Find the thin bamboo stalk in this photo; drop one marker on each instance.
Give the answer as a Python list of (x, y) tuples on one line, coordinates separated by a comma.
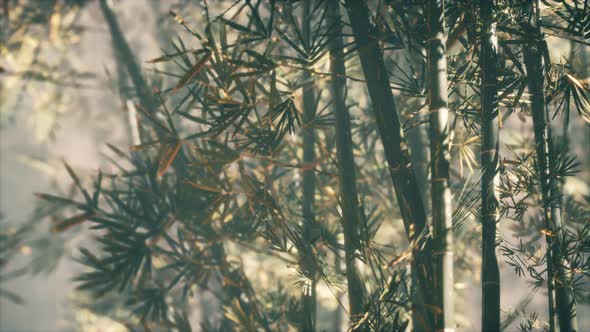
[(351, 207), (309, 181), (490, 274), (442, 220), (565, 307)]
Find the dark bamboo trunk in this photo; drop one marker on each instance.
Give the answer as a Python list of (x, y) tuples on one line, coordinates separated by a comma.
[(490, 274), (308, 201), (351, 209), (566, 310), (551, 197), (440, 165), (126, 56), (396, 153), (417, 136)]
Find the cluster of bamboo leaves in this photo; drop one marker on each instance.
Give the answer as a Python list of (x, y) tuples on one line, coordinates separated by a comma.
[(340, 140)]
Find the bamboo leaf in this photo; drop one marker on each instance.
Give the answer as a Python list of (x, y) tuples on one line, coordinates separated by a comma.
[(205, 187), (197, 67), (72, 221), (168, 57), (168, 153)]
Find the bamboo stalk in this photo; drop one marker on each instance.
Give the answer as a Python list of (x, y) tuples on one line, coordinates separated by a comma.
[(126, 56), (440, 165), (308, 201), (418, 135), (490, 274), (551, 197), (396, 153), (351, 208)]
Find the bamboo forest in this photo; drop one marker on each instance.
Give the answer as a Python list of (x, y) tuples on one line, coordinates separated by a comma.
[(294, 165)]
